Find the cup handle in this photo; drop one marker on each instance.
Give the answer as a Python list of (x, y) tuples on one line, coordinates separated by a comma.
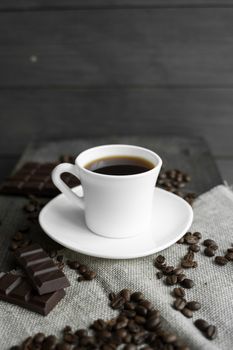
[(60, 184)]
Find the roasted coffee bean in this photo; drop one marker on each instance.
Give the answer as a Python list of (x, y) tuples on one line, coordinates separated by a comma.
[(60, 258), (179, 292), (178, 271), (49, 342), (169, 338), (137, 296), (187, 264), (209, 252), (89, 275), (121, 322), (198, 235), (168, 270), (208, 242), (229, 256), (140, 320), (194, 248), (133, 327), (139, 338), (27, 343), (179, 303), (81, 333), (190, 239), (141, 310), (187, 283), (213, 246), (160, 259), (112, 296), (230, 250), (122, 333), (67, 329), (117, 303), (125, 293), (38, 338), (82, 269), (153, 313), (187, 312), (152, 323), (159, 275), (52, 253), (80, 279), (221, 260), (211, 332), (181, 277), (130, 347), (70, 338), (147, 304), (99, 325), (129, 306), (129, 313), (73, 264), (171, 280), (201, 324), (63, 346), (193, 305), (181, 240)]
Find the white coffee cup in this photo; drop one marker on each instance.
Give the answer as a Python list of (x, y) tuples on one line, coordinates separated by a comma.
[(114, 206)]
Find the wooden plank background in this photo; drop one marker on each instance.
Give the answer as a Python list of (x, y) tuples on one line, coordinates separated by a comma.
[(95, 68)]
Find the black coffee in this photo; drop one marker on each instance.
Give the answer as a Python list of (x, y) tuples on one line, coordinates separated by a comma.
[(120, 165)]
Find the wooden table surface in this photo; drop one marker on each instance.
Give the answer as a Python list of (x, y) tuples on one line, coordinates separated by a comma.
[(187, 154)]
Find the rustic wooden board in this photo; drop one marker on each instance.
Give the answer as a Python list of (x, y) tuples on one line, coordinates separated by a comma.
[(189, 154), (73, 4), (119, 47), (39, 114)]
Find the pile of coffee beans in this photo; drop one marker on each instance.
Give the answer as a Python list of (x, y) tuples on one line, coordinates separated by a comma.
[(175, 181), (137, 326), (209, 331), (83, 270)]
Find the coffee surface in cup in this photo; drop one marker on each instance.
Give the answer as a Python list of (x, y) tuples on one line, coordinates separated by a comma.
[(120, 165)]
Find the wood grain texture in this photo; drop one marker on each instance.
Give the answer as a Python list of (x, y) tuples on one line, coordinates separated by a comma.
[(189, 154), (120, 47), (73, 4), (55, 114)]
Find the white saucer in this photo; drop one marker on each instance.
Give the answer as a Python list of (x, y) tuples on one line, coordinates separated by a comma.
[(65, 224)]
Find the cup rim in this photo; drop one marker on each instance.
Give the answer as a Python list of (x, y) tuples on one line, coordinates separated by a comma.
[(159, 160)]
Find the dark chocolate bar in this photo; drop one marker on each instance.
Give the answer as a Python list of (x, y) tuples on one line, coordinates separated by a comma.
[(17, 290), (35, 178), (43, 273)]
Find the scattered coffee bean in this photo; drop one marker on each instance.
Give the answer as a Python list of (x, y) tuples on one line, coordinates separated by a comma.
[(178, 271), (211, 332), (168, 270), (181, 277), (201, 324), (137, 296), (187, 283), (209, 252), (179, 303), (117, 303), (198, 235), (159, 274), (194, 247), (125, 293), (229, 256), (171, 280), (187, 312), (160, 259), (221, 260), (208, 242), (181, 240), (193, 305), (73, 264), (179, 292), (38, 338)]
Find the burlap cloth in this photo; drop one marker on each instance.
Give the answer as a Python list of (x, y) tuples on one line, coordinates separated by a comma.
[(86, 301)]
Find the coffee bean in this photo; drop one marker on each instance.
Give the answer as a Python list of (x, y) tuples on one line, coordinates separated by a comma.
[(201, 324), (193, 305), (159, 275), (213, 246), (139, 338), (147, 304), (60, 258), (81, 333), (187, 312), (112, 296), (67, 329), (70, 338), (187, 264), (129, 306), (198, 235), (194, 247), (230, 250), (49, 342), (73, 264), (153, 313), (179, 303), (140, 320), (80, 279), (82, 269), (122, 333), (152, 323), (160, 259), (211, 332), (181, 240), (168, 270), (171, 280), (208, 242), (141, 310), (169, 338), (52, 253), (38, 338), (117, 303), (221, 260), (89, 275), (187, 283), (99, 325), (130, 347), (133, 327), (209, 252), (137, 296), (181, 277), (129, 313), (125, 293), (229, 256), (121, 322), (178, 271), (179, 292), (190, 239)]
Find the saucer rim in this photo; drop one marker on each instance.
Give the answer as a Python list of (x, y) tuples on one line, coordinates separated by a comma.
[(119, 257)]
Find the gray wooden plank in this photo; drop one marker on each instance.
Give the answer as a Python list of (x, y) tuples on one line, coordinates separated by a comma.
[(226, 169), (7, 164), (123, 47), (64, 4), (46, 114), (189, 154)]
